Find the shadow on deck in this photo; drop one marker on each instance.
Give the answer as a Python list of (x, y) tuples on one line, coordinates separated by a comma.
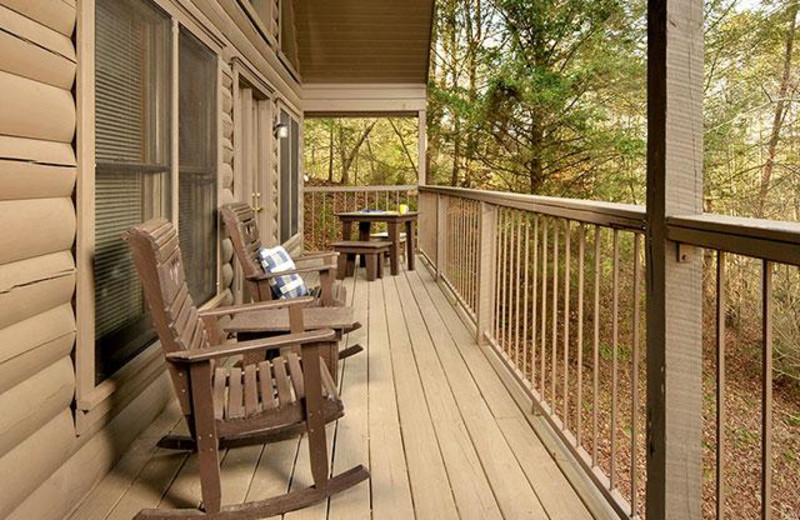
[(424, 410)]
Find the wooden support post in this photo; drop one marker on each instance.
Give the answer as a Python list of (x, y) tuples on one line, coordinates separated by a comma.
[(674, 286), (422, 164), (441, 234), (487, 243)]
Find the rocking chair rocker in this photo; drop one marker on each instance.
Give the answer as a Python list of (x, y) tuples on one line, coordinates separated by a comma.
[(238, 406)]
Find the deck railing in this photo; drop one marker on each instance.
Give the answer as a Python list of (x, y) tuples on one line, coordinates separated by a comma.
[(556, 288), (321, 227)]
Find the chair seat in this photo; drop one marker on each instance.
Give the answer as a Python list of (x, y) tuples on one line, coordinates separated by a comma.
[(361, 246), (242, 392)]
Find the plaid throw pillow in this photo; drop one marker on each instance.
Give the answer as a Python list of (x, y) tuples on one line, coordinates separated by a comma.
[(277, 260)]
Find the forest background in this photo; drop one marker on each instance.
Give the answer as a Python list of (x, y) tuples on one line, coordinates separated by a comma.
[(548, 97)]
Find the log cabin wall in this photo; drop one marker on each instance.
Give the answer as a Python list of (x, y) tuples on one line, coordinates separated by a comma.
[(53, 461), (37, 218)]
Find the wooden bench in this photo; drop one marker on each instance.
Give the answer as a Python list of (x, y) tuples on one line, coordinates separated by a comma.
[(384, 235), (373, 250)]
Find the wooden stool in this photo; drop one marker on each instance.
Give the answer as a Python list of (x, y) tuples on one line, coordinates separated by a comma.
[(384, 235), (373, 251)]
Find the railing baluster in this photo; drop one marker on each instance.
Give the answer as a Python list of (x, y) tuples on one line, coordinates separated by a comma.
[(543, 353), (518, 288), (614, 361), (535, 294), (596, 343), (579, 396), (567, 267), (510, 293), (766, 394), (313, 217), (525, 350), (554, 345), (458, 245), (503, 285), (476, 224), (637, 244), (498, 267), (720, 426)]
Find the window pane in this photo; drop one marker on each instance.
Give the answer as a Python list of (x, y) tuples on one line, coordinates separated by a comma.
[(197, 218), (132, 174)]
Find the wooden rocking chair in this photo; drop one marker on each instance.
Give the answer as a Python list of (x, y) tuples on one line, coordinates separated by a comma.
[(241, 227), (227, 407)]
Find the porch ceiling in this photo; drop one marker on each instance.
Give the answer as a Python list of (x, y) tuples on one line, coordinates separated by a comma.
[(364, 41)]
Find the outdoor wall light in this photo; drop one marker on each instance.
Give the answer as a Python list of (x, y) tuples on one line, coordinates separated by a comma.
[(281, 130)]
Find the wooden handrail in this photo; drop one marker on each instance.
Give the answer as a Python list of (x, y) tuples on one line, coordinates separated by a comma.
[(358, 189), (622, 216), (774, 240)]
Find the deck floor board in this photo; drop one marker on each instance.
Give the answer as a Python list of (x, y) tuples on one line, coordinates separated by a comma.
[(424, 411)]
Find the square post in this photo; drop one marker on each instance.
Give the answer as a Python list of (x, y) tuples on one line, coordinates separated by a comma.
[(487, 247), (422, 164), (674, 286), (441, 234)]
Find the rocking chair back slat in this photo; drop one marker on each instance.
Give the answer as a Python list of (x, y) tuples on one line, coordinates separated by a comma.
[(296, 373), (242, 229), (235, 409), (250, 391), (266, 386), (157, 257), (282, 382), (220, 384)]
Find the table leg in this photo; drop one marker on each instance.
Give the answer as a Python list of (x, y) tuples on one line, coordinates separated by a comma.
[(363, 235), (410, 245), (394, 249), (347, 230)]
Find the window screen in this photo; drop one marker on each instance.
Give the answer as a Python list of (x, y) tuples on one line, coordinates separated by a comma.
[(133, 41), (197, 201), (290, 177)]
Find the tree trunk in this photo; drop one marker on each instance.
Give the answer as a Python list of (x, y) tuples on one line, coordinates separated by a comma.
[(535, 166), (405, 147), (347, 160), (452, 22), (474, 37), (777, 122)]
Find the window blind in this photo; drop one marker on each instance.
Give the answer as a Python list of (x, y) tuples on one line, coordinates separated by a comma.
[(133, 40)]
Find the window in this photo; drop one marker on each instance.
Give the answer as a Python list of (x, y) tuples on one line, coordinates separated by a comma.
[(288, 28), (269, 14), (197, 198), (289, 177), (132, 176), (135, 167)]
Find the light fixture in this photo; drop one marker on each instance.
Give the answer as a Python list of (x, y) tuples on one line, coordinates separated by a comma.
[(281, 130)]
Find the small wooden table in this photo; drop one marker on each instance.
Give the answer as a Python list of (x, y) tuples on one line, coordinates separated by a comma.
[(393, 222)]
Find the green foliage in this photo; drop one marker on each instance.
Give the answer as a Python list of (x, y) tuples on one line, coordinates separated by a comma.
[(361, 151)]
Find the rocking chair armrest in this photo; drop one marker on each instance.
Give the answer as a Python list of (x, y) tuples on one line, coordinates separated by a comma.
[(243, 347), (256, 307)]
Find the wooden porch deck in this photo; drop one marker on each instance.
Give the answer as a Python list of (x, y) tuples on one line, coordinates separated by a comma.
[(424, 410)]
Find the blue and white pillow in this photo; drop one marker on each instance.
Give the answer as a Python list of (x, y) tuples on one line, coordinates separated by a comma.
[(277, 260)]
